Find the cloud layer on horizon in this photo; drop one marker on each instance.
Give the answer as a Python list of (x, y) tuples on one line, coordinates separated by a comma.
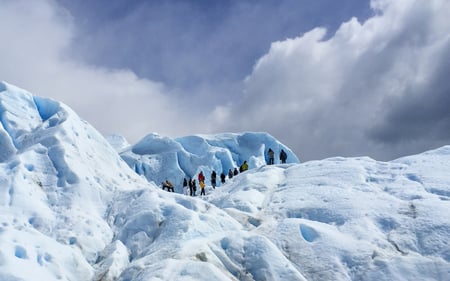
[(377, 88)]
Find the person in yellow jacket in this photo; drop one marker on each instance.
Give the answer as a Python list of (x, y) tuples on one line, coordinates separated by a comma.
[(244, 167), (202, 187)]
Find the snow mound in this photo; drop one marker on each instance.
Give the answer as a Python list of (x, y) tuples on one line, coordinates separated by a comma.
[(173, 237), (159, 158), (57, 177), (351, 218)]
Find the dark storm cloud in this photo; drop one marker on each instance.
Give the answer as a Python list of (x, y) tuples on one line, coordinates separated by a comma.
[(417, 117), (422, 112), (190, 43), (374, 88)]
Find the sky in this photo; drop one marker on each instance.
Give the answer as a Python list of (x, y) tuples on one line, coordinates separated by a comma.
[(326, 78)]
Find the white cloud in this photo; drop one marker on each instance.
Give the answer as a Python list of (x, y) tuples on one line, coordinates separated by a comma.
[(34, 37), (334, 96)]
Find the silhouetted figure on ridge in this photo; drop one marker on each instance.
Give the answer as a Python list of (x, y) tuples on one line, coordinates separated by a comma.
[(271, 155), (283, 156)]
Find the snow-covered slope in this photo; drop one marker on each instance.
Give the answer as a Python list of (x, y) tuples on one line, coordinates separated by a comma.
[(72, 209), (159, 158), (57, 177), (352, 219), (336, 219)]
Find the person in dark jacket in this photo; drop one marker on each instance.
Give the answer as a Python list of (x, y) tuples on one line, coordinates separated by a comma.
[(191, 187), (230, 174), (222, 178), (283, 156), (235, 172), (213, 179), (185, 186), (271, 155), (194, 187)]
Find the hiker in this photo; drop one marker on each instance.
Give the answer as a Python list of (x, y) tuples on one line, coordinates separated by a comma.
[(271, 155), (213, 179), (244, 167), (230, 174), (191, 187), (185, 187), (222, 178), (235, 172), (194, 187), (167, 184), (283, 156), (201, 177), (202, 188)]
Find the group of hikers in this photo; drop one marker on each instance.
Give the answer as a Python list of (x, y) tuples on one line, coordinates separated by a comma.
[(271, 156), (190, 186)]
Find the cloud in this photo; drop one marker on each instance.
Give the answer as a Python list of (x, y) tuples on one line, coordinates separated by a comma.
[(204, 48), (35, 37), (95, 60), (375, 88)]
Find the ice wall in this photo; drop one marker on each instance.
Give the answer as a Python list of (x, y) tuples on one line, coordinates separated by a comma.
[(159, 158)]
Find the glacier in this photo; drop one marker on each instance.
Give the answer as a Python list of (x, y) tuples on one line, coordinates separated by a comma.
[(75, 205), (160, 158)]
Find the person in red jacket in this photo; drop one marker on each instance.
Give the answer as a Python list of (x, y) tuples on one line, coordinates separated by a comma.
[(201, 177)]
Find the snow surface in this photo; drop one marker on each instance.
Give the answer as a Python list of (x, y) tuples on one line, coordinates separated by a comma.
[(72, 209)]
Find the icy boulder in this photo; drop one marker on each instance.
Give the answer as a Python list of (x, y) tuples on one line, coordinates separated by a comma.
[(159, 158)]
